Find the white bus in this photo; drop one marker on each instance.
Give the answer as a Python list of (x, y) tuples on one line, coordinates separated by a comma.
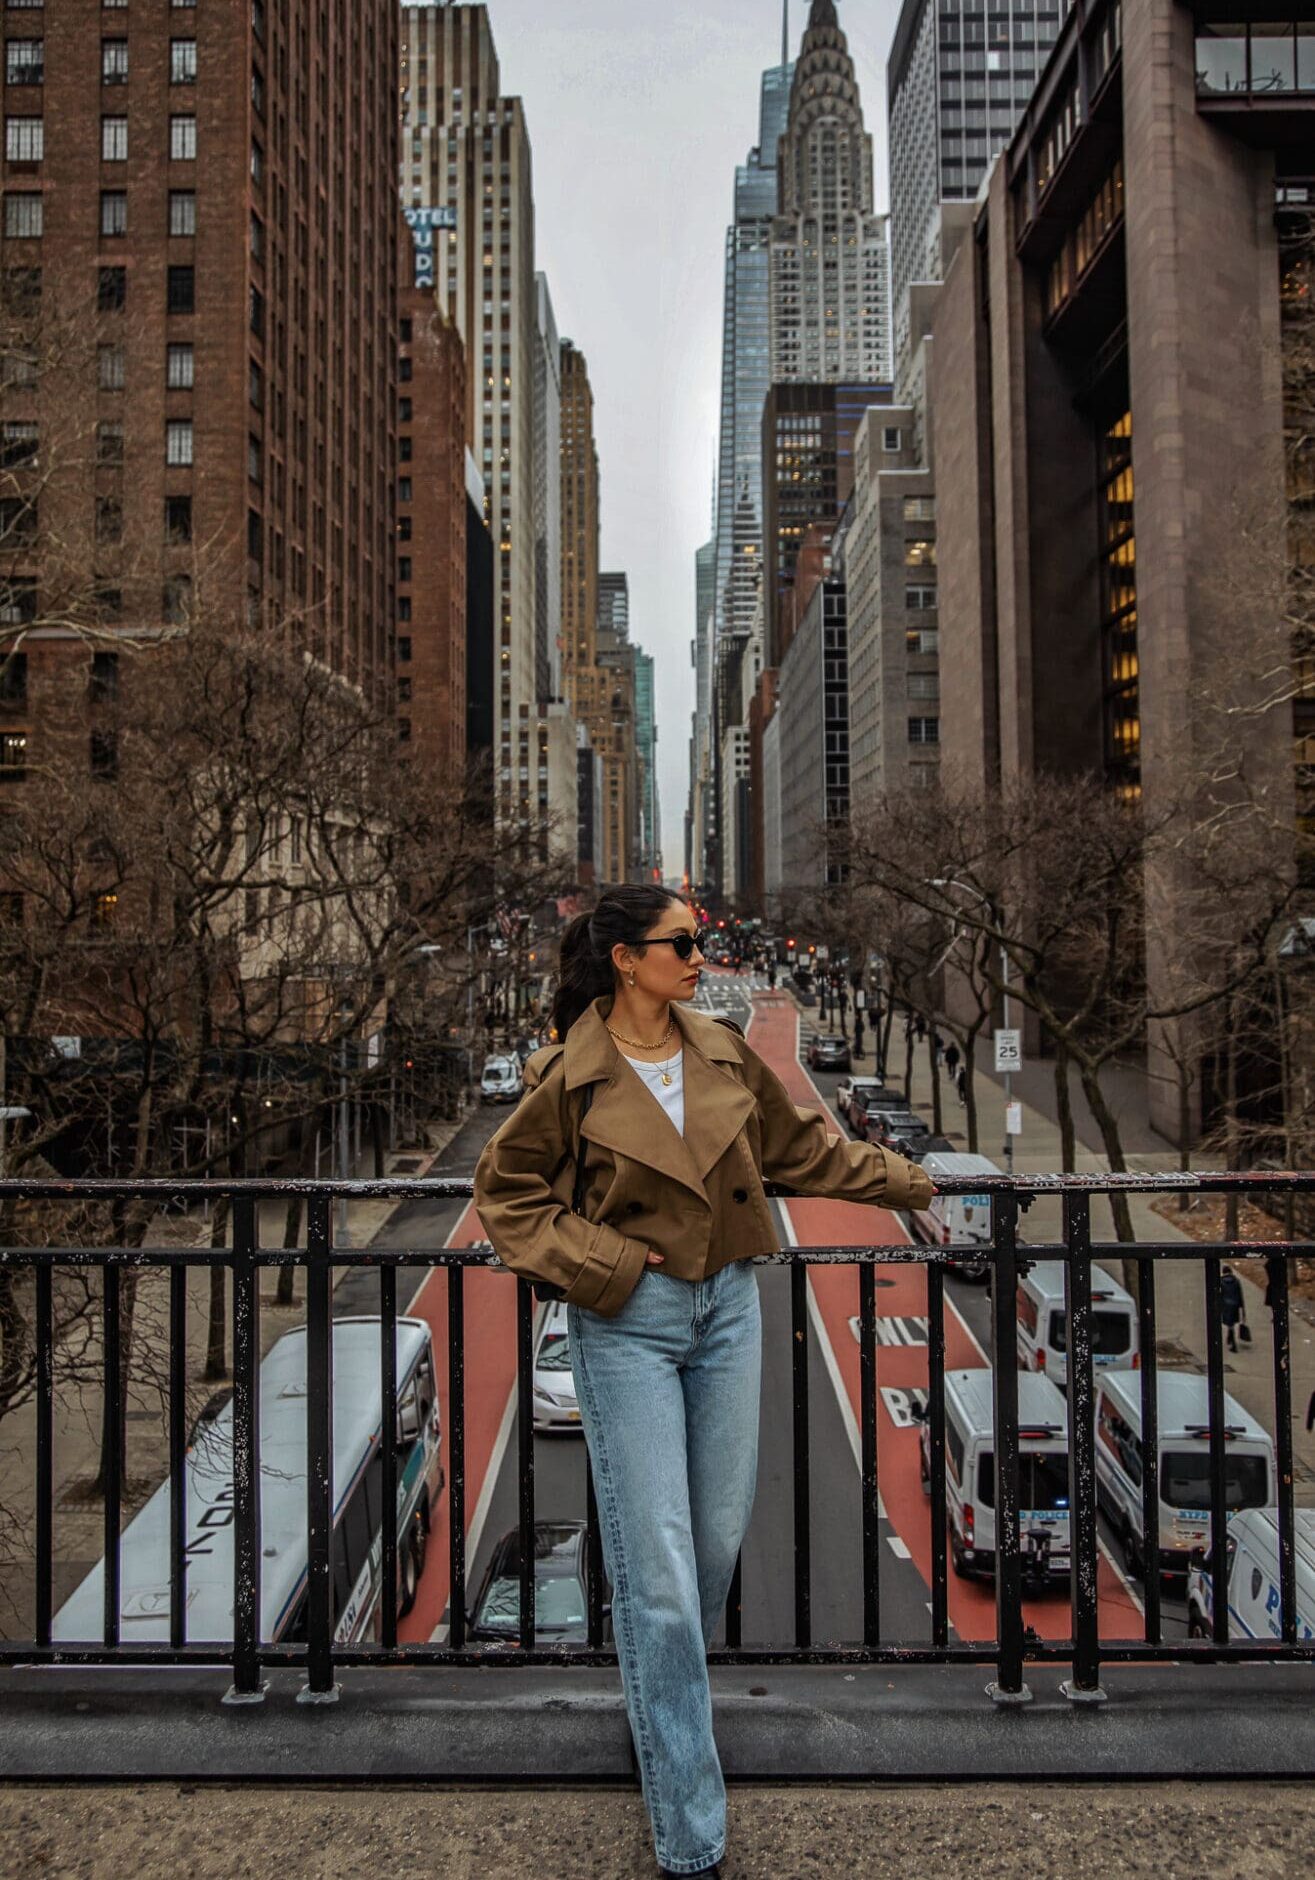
[(357, 1554)]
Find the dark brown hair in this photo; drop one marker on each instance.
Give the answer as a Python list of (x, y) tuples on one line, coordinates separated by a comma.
[(622, 917)]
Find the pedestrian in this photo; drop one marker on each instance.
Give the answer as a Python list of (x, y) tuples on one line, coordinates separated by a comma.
[(938, 1046), (662, 1314), (952, 1058), (961, 1083), (771, 976), (920, 1028), (1232, 1308)]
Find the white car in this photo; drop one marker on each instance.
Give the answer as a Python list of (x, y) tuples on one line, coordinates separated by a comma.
[(502, 1081), (556, 1406)]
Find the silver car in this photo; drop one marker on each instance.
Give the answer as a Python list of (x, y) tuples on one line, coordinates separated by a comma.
[(555, 1404)]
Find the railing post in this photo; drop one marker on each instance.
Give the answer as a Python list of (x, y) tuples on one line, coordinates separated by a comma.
[(319, 1687), (1287, 1558), (456, 1474), (112, 1446), (940, 1623), (1214, 1356), (525, 1455), (247, 1687), (45, 1435), (803, 1603), (177, 1457), (388, 1449), (867, 1363), (1148, 1344), (1084, 1686), (1008, 1687)]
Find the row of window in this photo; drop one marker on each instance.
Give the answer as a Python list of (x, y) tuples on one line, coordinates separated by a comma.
[(25, 139), (24, 218)]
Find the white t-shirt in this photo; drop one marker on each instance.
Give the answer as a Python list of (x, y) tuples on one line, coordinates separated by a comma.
[(671, 1096)]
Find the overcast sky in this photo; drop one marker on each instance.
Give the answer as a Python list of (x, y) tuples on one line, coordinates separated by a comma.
[(638, 112)]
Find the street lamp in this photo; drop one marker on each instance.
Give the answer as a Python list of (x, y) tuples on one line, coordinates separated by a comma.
[(1005, 1010)]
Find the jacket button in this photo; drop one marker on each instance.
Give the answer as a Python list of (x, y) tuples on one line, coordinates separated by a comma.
[(741, 1194), (634, 1207)]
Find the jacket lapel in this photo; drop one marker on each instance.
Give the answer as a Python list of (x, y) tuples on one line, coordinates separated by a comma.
[(624, 1116)]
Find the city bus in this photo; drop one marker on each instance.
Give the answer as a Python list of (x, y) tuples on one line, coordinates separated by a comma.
[(357, 1555)]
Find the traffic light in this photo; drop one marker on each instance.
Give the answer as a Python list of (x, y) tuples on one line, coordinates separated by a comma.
[(811, 947), (721, 923), (789, 946)]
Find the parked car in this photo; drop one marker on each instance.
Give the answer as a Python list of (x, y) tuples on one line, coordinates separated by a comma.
[(829, 1051), (561, 1589), (862, 1099), (501, 1081), (928, 1145), (897, 1130), (556, 1406), (848, 1085)]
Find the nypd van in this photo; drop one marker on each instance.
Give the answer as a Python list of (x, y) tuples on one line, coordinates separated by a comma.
[(1043, 1322), (1043, 1485), (958, 1221), (1184, 1464), (1254, 1599)]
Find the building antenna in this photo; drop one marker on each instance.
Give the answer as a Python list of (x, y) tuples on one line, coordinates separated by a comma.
[(785, 35)]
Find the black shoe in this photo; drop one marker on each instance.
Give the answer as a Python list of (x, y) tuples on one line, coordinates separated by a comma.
[(698, 1873)]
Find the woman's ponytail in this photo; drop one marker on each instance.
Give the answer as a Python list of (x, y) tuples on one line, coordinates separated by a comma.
[(622, 917)]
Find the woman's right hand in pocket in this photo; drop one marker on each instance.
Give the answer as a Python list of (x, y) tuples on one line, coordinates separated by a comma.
[(655, 1259)]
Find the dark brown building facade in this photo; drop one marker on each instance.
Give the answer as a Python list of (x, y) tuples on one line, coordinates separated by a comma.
[(1107, 410), (200, 233), (431, 530)]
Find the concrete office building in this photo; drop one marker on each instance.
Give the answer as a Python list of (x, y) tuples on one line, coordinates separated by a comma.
[(700, 812), (890, 575), (813, 710), (466, 167), (646, 740), (830, 263), (1108, 411), (958, 78)]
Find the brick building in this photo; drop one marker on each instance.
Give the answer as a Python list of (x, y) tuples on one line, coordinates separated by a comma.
[(199, 263), (431, 528)]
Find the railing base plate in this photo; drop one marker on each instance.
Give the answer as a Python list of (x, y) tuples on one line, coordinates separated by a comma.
[(1008, 1700), (236, 1699), (1077, 1695), (307, 1696)]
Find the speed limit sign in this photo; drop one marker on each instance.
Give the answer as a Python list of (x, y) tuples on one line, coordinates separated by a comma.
[(1008, 1050)]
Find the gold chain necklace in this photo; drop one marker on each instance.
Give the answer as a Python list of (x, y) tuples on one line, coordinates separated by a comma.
[(635, 1043)]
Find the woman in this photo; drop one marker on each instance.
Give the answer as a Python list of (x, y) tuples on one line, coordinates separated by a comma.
[(680, 1123)]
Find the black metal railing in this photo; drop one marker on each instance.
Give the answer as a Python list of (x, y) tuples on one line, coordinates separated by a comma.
[(1014, 1644)]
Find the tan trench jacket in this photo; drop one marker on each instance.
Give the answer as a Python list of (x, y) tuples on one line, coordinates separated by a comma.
[(697, 1199)]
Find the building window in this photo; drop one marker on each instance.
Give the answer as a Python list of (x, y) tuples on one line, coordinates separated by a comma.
[(104, 755), (110, 361), (255, 385), (404, 489), (257, 91), (18, 600), (182, 290), (892, 438), (404, 730), (104, 909), (180, 367), (257, 164), (182, 139), (112, 290), (13, 756), (919, 552), (182, 212), (13, 682), (103, 684), (114, 61), (924, 731), (182, 62), (23, 217), (109, 519), (404, 568), (920, 509), (404, 449), (177, 520), (404, 691), (113, 212), (257, 238), (176, 600), (25, 139), (18, 445), (178, 442), (114, 140), (404, 610), (109, 444), (25, 62), (255, 459), (404, 648)]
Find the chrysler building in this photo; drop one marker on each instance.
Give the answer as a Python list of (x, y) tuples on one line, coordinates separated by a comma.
[(830, 260)]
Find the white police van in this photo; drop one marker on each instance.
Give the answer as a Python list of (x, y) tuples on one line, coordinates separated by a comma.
[(1254, 1600), (1043, 1323), (1182, 1402), (958, 1221), (1043, 1486), (358, 1514)]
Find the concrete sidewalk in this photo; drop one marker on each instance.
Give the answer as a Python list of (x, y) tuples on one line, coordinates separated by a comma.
[(1217, 1831), (1179, 1284)]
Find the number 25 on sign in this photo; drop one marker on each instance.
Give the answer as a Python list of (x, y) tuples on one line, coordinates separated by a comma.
[(1008, 1050)]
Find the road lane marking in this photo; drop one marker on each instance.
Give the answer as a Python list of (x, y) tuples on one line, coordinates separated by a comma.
[(897, 1547)]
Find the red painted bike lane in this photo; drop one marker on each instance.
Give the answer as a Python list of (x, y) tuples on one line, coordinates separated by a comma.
[(490, 1328), (902, 1294)]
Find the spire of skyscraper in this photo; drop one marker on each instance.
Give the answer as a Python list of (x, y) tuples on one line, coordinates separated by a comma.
[(823, 14), (785, 32)]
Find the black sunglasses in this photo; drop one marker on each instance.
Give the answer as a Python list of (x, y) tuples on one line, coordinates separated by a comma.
[(682, 943)]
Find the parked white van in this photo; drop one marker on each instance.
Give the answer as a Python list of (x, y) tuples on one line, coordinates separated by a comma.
[(1184, 1463), (1043, 1496), (958, 1220), (1254, 1599), (1043, 1324)]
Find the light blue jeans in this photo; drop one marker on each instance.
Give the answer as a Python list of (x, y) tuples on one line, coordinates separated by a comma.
[(668, 1393)]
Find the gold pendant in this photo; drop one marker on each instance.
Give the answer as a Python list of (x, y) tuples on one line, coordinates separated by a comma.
[(666, 1077)]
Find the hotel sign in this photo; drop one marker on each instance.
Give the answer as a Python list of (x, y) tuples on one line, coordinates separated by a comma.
[(422, 224)]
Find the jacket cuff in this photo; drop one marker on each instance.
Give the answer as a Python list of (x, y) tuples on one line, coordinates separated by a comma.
[(611, 1271), (907, 1185)]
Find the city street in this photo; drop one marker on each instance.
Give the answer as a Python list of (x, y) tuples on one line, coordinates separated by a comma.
[(833, 1353)]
